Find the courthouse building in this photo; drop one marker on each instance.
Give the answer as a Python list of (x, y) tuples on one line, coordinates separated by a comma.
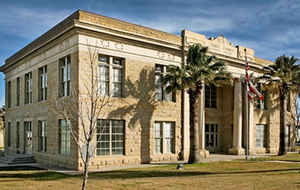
[(144, 123)]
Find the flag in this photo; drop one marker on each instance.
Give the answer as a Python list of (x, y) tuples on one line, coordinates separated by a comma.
[(251, 90)]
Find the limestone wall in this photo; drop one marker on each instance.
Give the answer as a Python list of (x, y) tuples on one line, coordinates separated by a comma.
[(137, 107)]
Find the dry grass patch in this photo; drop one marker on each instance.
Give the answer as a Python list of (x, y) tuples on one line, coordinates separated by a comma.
[(219, 175)]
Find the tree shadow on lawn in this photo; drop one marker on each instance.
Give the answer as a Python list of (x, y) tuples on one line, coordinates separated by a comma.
[(39, 175), (128, 174), (28, 172)]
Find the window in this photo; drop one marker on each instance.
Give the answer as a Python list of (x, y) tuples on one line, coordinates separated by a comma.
[(161, 93), (110, 75), (18, 135), (28, 88), (65, 75), (104, 75), (42, 132), (262, 104), (261, 136), (158, 137), (43, 80), (169, 137), (18, 92), (8, 134), (210, 96), (9, 94), (110, 137), (64, 137), (164, 133)]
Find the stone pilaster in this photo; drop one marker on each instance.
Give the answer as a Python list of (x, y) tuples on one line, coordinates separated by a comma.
[(237, 120), (203, 152), (186, 126), (251, 129)]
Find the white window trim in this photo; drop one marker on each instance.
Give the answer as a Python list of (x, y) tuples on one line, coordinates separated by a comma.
[(164, 138), (111, 66)]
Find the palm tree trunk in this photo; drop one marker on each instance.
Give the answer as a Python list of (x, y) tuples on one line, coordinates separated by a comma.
[(195, 99), (283, 127)]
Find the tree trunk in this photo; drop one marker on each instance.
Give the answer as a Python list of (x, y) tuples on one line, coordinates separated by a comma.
[(86, 167), (283, 127), (195, 99)]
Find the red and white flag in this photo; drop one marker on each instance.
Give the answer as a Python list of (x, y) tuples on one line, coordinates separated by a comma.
[(251, 90)]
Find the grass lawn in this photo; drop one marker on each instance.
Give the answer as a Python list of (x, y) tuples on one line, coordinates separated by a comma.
[(252, 175), (288, 157)]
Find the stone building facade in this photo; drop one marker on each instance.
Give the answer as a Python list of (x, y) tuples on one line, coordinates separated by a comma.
[(1, 128), (144, 124)]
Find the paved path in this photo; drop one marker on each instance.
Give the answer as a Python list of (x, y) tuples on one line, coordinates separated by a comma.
[(225, 157)]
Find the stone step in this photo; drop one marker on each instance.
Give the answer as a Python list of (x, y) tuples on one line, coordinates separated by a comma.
[(17, 159)]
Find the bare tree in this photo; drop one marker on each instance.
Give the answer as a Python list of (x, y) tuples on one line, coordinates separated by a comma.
[(82, 109)]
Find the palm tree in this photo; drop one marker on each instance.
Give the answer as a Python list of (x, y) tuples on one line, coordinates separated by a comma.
[(282, 76), (199, 70)]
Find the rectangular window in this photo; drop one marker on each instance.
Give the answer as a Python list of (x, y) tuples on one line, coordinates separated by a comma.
[(169, 137), (18, 90), (43, 83), (65, 76), (8, 134), (42, 132), (117, 77), (9, 94), (110, 75), (158, 137), (64, 137), (262, 104), (110, 137), (210, 96), (18, 135), (261, 136), (164, 133), (104, 75), (161, 93), (28, 88)]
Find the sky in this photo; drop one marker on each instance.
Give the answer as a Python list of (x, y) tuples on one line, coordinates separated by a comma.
[(270, 27)]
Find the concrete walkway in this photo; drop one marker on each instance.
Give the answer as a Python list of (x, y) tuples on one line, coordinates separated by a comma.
[(225, 157)]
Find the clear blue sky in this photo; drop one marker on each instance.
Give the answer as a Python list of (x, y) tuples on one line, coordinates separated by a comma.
[(271, 27)]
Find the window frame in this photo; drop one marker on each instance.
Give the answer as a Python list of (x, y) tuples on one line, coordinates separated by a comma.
[(64, 138), (18, 91), (9, 102), (42, 136), (9, 134), (28, 88), (262, 104), (263, 143), (110, 134), (110, 65), (163, 139), (43, 83), (65, 76), (18, 135), (211, 96), (160, 71)]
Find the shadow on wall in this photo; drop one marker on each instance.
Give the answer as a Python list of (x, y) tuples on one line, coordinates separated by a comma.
[(140, 112)]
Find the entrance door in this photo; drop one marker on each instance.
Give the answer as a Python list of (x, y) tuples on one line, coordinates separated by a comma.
[(211, 137), (28, 137)]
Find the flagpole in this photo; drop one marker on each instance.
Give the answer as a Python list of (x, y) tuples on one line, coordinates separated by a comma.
[(247, 107)]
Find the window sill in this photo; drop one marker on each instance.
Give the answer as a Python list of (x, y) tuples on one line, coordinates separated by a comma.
[(112, 155), (163, 154)]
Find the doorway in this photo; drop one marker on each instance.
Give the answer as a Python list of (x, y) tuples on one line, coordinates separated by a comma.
[(211, 137)]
